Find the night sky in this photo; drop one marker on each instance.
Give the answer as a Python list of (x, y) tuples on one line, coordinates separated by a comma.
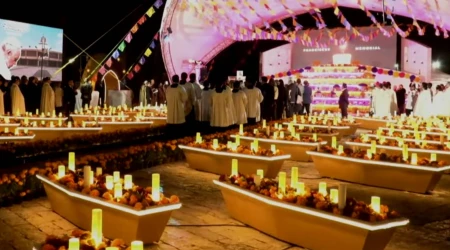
[(84, 21)]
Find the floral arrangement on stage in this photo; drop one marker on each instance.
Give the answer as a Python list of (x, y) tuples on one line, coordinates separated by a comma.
[(240, 149), (60, 124), (86, 242), (311, 198), (287, 137), (137, 197), (399, 143), (15, 132), (406, 135), (383, 157), (117, 119)]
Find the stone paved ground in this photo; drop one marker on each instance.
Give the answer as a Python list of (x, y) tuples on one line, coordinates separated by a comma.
[(203, 222)]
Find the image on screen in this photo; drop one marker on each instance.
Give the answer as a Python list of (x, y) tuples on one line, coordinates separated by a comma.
[(381, 51), (30, 50)]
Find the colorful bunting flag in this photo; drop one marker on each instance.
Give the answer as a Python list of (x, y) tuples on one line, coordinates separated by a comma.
[(134, 29), (122, 46), (109, 62), (116, 54), (150, 12), (130, 75), (137, 68), (142, 60), (152, 44), (148, 52), (158, 3), (142, 20), (102, 70), (128, 37)]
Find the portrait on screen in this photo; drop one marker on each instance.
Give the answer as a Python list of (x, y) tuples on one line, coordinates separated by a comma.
[(30, 50)]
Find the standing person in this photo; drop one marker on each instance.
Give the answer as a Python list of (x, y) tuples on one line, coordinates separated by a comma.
[(343, 101), (6, 89), (78, 100), (198, 95), (267, 105), (24, 89), (2, 103), (176, 98), (240, 103), (59, 95), (273, 111), (17, 99), (281, 100), (69, 98), (220, 107), (47, 97), (254, 100), (143, 95), (100, 87), (148, 92), (205, 105), (392, 99), (299, 103), (411, 98), (34, 98), (86, 94), (401, 95), (189, 105), (160, 94), (424, 103), (293, 92), (307, 99)]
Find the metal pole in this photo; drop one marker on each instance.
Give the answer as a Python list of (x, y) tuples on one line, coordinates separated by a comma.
[(384, 12), (42, 63)]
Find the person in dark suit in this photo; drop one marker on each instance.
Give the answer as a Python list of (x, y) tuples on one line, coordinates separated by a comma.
[(307, 98), (69, 97), (343, 101)]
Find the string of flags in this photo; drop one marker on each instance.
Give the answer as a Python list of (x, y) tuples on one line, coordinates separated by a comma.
[(127, 40), (242, 28), (142, 59)]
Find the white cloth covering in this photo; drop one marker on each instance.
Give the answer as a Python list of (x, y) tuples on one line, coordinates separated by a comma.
[(423, 105), (221, 115), (95, 96), (78, 101), (254, 99), (176, 97), (47, 99), (240, 105)]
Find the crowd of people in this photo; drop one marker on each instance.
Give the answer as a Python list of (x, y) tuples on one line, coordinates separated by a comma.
[(419, 99), (22, 95), (229, 103)]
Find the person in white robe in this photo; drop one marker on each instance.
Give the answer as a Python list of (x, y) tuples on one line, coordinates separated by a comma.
[(47, 97), (392, 99), (382, 102), (176, 98), (78, 101), (230, 110), (2, 104), (143, 94), (205, 105), (439, 108), (17, 99), (198, 95), (190, 102), (240, 104), (254, 100), (424, 103), (220, 107)]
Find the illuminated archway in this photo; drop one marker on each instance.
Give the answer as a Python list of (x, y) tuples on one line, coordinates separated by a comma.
[(198, 35), (111, 82)]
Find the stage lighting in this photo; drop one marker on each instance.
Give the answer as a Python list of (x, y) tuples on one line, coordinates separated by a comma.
[(436, 65)]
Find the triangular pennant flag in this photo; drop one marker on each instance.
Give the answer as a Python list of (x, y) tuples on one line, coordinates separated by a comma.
[(156, 37), (137, 68), (102, 70), (122, 46), (148, 52), (134, 29), (158, 3), (142, 61), (116, 54), (128, 37), (130, 75), (150, 12), (152, 45), (142, 20), (109, 62)]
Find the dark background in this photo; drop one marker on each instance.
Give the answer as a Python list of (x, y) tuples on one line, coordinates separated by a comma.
[(84, 21)]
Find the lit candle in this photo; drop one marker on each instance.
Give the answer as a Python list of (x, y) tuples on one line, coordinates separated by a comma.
[(91, 177), (87, 176), (234, 147), (334, 142), (116, 175), (37, 111), (373, 146), (16, 132), (294, 176), (433, 157), (61, 171), (340, 150), (282, 182), (6, 130), (74, 244), (275, 135), (369, 153), (97, 226), (128, 181), (260, 173), (342, 196), (229, 144), (264, 124), (414, 158), (215, 144), (300, 188), (405, 152), (256, 143), (238, 140), (334, 195), (137, 245), (234, 167), (156, 196), (314, 137), (118, 191), (109, 182), (375, 204), (241, 129), (98, 171), (198, 138), (323, 188), (71, 161), (273, 148), (295, 118), (69, 124), (282, 135), (255, 131)]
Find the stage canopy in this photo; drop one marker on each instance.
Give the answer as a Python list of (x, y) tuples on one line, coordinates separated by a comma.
[(195, 31)]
